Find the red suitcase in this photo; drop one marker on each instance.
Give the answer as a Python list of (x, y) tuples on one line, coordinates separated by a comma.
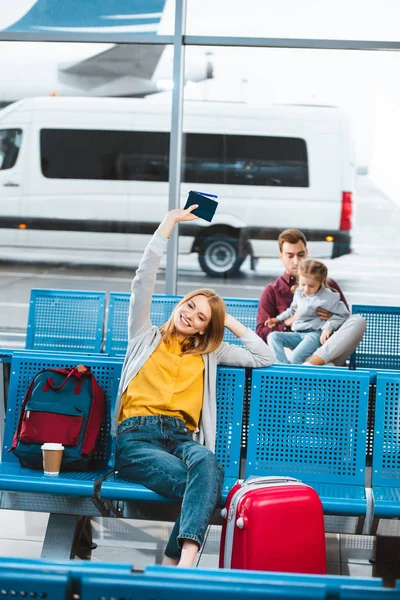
[(273, 524)]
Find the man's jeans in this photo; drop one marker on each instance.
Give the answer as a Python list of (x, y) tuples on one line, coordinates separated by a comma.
[(159, 453), (303, 344), (340, 346)]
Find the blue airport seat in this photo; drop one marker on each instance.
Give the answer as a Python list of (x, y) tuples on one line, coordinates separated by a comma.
[(368, 593), (6, 355), (333, 583), (311, 424), (69, 320), (243, 309), (379, 348), (75, 569), (24, 367), (146, 588), (52, 586), (386, 448), (230, 392)]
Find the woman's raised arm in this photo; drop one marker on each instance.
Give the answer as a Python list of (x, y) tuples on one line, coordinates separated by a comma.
[(143, 283)]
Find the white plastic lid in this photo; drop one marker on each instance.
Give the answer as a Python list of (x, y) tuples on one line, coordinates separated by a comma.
[(52, 446)]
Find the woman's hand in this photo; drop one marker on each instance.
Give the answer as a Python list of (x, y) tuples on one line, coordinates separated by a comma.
[(272, 323), (183, 214), (176, 216), (324, 336)]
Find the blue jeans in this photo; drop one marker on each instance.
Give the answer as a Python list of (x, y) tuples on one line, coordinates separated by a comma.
[(303, 344), (159, 453)]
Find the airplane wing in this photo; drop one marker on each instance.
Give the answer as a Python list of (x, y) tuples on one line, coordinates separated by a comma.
[(122, 60)]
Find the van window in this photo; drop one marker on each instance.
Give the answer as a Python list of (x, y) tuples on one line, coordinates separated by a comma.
[(10, 142), (94, 154), (144, 156), (246, 160)]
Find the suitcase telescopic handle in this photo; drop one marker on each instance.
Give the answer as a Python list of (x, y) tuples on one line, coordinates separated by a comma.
[(262, 480)]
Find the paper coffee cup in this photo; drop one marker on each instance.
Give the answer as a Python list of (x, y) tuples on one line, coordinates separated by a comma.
[(52, 457)]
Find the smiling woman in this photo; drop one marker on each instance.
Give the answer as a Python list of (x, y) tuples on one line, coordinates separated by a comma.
[(166, 407), (199, 321)]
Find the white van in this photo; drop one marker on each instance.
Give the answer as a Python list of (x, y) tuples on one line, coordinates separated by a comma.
[(86, 179)]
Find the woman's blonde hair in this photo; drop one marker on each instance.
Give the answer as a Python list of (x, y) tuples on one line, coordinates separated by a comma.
[(214, 331), (313, 268)]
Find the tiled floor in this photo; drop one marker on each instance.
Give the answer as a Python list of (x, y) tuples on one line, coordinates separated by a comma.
[(142, 543)]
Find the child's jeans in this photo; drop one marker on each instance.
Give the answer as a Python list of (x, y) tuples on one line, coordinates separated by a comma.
[(303, 344), (159, 453)]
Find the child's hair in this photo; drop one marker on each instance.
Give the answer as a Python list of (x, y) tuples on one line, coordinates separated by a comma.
[(313, 268), (212, 337)]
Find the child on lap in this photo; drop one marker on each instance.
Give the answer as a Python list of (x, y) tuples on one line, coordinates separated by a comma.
[(309, 331)]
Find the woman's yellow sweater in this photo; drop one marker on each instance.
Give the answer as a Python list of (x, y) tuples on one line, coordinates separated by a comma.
[(169, 383)]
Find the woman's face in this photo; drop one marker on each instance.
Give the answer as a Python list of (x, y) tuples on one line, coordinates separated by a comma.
[(192, 316)]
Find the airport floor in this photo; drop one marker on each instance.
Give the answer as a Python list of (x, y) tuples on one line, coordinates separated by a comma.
[(141, 543)]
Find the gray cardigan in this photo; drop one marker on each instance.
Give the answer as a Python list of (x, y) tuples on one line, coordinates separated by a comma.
[(306, 306), (144, 338)]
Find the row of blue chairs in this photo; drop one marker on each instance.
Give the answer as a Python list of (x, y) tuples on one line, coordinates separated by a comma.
[(29, 578), (73, 320), (304, 422)]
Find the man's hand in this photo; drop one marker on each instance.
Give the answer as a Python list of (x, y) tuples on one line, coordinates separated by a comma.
[(323, 314), (324, 336), (272, 323)]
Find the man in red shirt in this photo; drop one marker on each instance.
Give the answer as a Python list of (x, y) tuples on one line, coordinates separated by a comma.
[(277, 297)]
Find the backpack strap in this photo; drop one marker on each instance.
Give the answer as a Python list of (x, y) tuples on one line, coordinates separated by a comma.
[(95, 417)]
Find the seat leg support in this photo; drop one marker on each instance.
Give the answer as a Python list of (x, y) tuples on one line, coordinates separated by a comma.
[(68, 536)]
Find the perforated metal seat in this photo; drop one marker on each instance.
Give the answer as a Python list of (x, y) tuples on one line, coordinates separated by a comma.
[(380, 345), (65, 320), (146, 588), (245, 311), (333, 583), (311, 424), (52, 586), (386, 449), (56, 580), (230, 393), (13, 477)]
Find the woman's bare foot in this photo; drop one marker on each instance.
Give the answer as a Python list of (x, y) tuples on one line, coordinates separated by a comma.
[(171, 562), (189, 552)]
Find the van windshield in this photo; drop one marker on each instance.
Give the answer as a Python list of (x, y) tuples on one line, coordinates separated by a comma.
[(10, 142)]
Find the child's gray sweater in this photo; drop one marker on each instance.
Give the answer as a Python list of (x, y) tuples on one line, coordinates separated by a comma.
[(306, 306), (145, 337)]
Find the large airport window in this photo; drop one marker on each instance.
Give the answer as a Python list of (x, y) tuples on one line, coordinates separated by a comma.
[(10, 142), (94, 154), (246, 160)]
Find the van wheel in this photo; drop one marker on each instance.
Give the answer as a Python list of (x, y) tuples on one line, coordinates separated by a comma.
[(219, 256)]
